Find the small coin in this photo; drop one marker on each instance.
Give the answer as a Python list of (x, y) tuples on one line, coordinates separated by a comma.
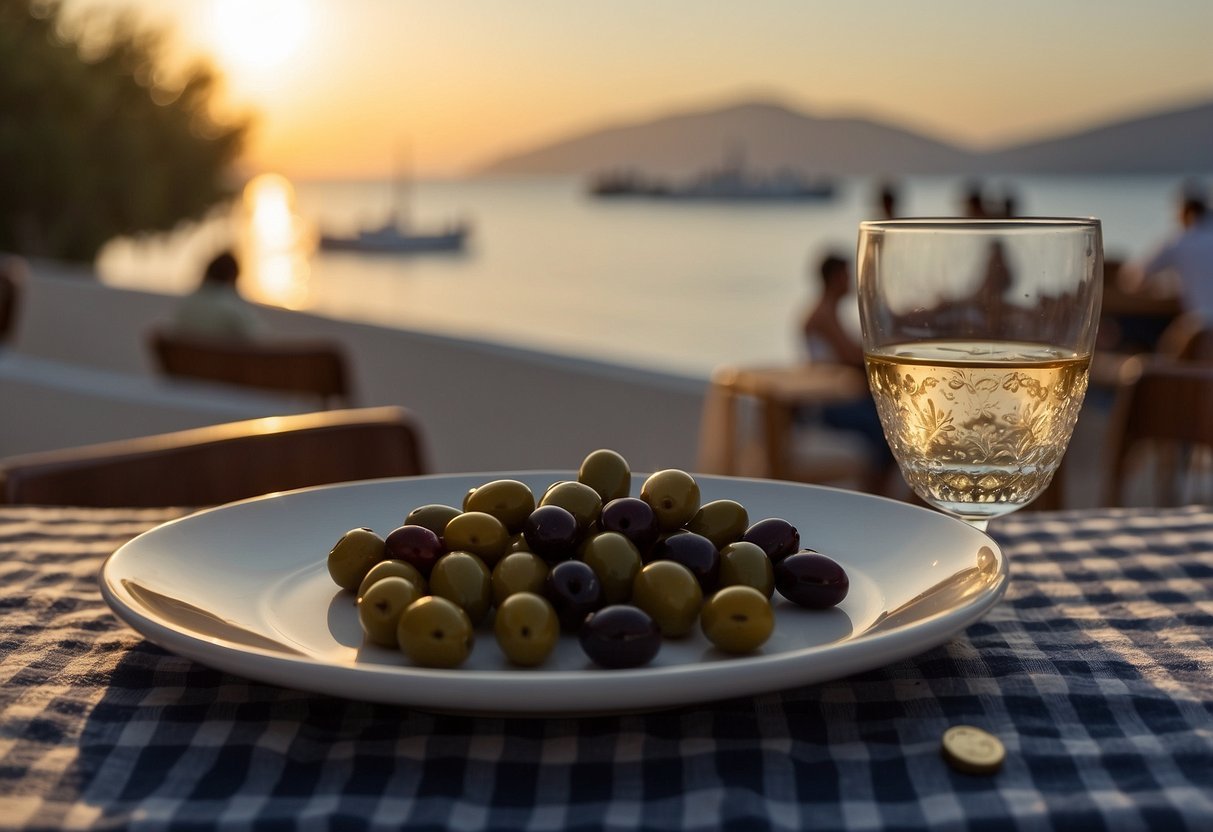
[(972, 750)]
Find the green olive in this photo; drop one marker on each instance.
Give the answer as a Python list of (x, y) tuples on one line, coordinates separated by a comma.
[(434, 632), (510, 501), (379, 610), (481, 534), (518, 572), (467, 497), (720, 521), (673, 495), (616, 562), (745, 564), (578, 499), (462, 578), (527, 628), (433, 517), (737, 619), (390, 569), (353, 556), (607, 473), (670, 594), (518, 544)]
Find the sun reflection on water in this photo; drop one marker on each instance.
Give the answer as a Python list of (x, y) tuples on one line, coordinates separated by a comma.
[(274, 244)]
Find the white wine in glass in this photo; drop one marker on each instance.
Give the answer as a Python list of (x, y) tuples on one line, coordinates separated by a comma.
[(978, 338)]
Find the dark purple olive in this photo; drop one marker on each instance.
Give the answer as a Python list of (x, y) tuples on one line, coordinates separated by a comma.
[(551, 533), (633, 518), (696, 553), (415, 545), (778, 538), (574, 591), (811, 580), (620, 636)]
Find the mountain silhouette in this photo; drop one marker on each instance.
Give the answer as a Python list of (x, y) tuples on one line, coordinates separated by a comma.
[(1175, 141), (771, 135)]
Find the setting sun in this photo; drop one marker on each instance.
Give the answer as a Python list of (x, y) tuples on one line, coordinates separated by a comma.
[(258, 35)]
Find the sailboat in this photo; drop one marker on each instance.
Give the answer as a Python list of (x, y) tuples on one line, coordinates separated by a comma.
[(397, 236)]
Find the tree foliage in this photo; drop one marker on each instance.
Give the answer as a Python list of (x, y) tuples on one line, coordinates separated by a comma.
[(95, 142)]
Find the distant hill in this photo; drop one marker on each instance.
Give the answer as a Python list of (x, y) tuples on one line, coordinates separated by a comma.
[(772, 136), (1178, 141)]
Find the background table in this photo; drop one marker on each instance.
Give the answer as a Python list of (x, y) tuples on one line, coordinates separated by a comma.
[(1096, 671), (780, 393)]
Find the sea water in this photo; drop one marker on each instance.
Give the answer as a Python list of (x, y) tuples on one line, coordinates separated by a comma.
[(672, 286)]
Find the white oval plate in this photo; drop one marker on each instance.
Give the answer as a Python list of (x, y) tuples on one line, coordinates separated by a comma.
[(244, 588)]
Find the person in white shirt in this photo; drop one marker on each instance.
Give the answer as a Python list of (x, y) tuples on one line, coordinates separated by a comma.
[(1187, 258), (216, 310)]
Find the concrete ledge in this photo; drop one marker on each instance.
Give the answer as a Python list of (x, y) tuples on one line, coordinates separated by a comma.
[(484, 406)]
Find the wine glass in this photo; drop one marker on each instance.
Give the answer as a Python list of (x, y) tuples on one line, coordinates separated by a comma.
[(978, 336)]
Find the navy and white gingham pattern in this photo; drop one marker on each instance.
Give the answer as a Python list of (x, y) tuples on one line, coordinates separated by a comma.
[(1096, 671)]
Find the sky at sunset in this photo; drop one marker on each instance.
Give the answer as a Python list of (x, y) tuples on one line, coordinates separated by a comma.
[(339, 86)]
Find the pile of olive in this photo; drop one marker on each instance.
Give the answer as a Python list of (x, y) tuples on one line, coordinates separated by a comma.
[(621, 572)]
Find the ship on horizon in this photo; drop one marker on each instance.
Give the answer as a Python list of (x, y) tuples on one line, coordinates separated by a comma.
[(733, 181)]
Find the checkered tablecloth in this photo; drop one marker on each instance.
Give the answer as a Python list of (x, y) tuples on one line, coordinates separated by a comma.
[(1096, 672)]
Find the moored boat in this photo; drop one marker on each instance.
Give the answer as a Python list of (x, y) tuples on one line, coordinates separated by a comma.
[(392, 237)]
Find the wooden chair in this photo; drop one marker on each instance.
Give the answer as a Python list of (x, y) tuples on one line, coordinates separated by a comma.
[(779, 393), (221, 463), (1169, 406), (316, 368), (1188, 338)]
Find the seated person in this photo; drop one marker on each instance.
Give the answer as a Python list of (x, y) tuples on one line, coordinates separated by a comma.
[(827, 340), (1187, 258), (886, 200), (215, 310)]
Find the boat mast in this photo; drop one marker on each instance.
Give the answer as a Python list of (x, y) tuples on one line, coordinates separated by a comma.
[(401, 176)]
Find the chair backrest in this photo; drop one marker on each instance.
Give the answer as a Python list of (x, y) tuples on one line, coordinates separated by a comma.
[(1199, 347), (311, 367), (221, 463), (1167, 404), (1188, 338)]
